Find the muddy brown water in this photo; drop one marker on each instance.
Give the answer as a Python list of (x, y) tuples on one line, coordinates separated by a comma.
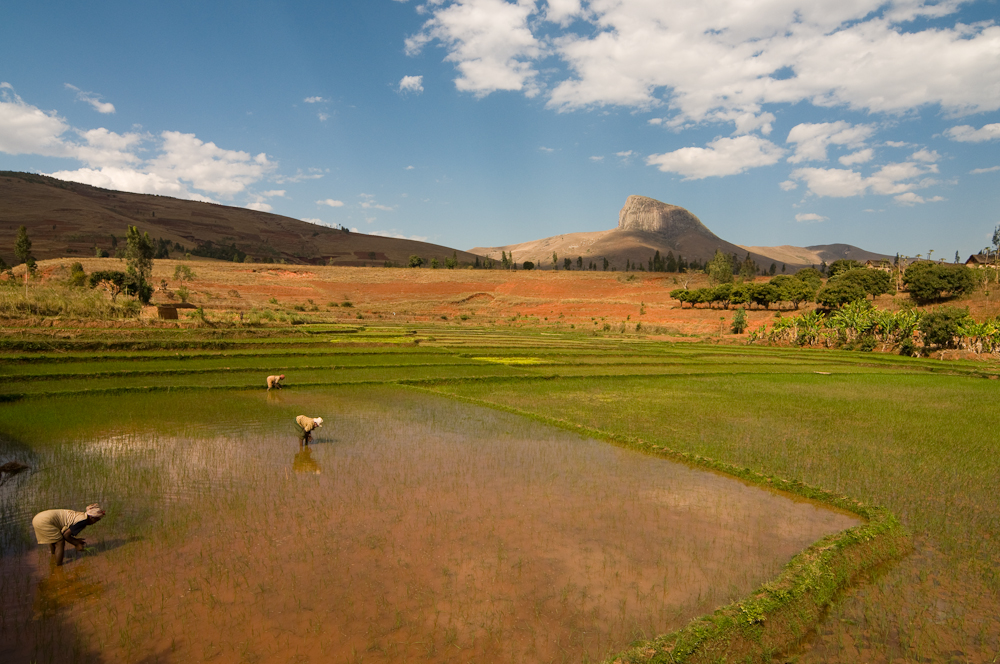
[(414, 528)]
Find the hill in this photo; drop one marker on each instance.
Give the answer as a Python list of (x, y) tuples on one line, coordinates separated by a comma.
[(646, 226), (71, 219)]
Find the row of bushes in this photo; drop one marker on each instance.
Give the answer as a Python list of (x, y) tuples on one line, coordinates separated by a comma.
[(860, 325), (925, 282)]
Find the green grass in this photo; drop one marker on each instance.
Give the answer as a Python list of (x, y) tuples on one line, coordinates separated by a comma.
[(917, 437)]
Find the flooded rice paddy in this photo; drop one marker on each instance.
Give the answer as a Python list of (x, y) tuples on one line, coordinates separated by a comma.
[(413, 528)]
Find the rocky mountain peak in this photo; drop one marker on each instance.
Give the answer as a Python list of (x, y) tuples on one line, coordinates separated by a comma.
[(641, 213)]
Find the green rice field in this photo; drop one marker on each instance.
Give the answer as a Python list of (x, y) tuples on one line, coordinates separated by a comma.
[(369, 544)]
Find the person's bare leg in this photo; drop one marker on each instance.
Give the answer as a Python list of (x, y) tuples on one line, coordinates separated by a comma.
[(52, 548), (60, 549)]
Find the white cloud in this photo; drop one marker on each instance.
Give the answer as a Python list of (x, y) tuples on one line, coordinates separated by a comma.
[(910, 198), (723, 156), (130, 179), (969, 134), (890, 179), (180, 162), (625, 154), (313, 174), (859, 157), (811, 140), (929, 156), (977, 171), (810, 218), (106, 148), (562, 11), (489, 41), (207, 166), (898, 144), (411, 84), (25, 129), (542, 148), (93, 99), (597, 158), (788, 185), (731, 56), (313, 220), (259, 200), (315, 100), (396, 234), (369, 203), (331, 202), (323, 117), (409, 168)]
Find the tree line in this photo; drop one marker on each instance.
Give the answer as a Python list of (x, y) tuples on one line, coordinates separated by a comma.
[(849, 281)]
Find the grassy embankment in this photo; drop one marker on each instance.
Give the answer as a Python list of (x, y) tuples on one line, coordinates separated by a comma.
[(907, 435)]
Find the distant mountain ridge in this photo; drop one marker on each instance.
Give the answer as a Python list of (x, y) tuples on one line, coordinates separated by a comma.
[(646, 225), (66, 219)]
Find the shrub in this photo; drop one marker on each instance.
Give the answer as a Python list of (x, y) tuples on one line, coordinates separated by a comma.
[(183, 273), (942, 328), (739, 324), (528, 265)]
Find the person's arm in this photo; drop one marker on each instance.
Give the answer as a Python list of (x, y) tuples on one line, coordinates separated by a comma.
[(77, 542)]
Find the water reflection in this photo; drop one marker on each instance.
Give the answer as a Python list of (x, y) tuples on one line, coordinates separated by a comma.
[(63, 588), (304, 462)]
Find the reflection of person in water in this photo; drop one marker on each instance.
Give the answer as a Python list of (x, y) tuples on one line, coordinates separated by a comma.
[(306, 426), (274, 381), (56, 527), (304, 463)]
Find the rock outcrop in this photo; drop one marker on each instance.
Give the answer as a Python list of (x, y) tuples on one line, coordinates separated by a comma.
[(641, 213)]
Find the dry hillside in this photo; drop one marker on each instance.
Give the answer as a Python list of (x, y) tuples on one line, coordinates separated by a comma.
[(70, 219)]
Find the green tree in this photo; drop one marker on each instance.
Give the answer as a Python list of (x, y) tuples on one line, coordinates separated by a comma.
[(113, 281), (606, 264), (22, 248), (416, 261), (739, 324), (720, 268), (811, 276), (930, 282), (435, 263), (528, 265), (567, 263), (792, 290), (555, 261), (748, 268), (873, 282), (579, 262), (139, 251), (836, 294), (77, 277), (841, 265), (763, 295)]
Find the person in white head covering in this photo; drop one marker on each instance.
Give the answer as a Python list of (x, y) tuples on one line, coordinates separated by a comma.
[(56, 527), (307, 425)]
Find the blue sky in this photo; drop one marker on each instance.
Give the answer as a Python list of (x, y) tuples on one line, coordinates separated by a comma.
[(487, 122)]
